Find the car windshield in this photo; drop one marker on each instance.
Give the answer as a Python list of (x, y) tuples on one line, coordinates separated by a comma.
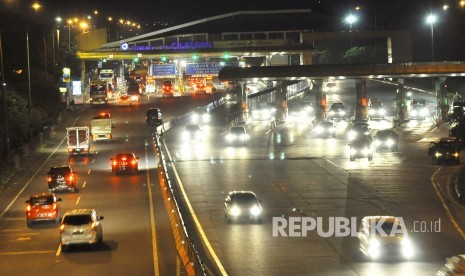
[(43, 200), (337, 106), (200, 110), (77, 219), (331, 84), (389, 227), (243, 198), (326, 124), (124, 155), (60, 171), (237, 130), (382, 134), (418, 106), (192, 128)]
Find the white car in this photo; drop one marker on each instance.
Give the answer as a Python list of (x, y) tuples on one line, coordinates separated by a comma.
[(384, 236), (80, 226), (237, 134), (200, 115), (192, 132), (242, 204)]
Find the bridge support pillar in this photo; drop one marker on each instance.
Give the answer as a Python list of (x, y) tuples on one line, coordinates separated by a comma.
[(281, 101), (243, 100), (442, 106), (320, 101), (401, 103), (360, 100)]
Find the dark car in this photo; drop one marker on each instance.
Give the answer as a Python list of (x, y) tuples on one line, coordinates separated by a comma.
[(444, 150), (460, 184), (418, 112), (42, 207), (242, 204), (124, 162), (325, 129), (376, 110), (153, 116), (386, 139), (61, 178), (337, 110), (361, 148)]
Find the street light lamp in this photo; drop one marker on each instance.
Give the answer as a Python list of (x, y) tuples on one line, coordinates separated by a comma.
[(431, 19), (351, 19), (36, 6)]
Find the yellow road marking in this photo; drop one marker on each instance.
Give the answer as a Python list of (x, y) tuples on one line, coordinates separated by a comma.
[(84, 184), (58, 251), (194, 216), (88, 172), (152, 218), (25, 253), (443, 202), (78, 199)]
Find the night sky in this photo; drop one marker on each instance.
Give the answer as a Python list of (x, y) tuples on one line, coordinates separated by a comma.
[(373, 14)]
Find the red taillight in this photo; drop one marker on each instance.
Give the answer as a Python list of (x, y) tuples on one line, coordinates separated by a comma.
[(62, 227), (71, 178), (124, 158), (70, 150), (115, 163), (133, 162), (28, 207), (54, 206), (49, 179)]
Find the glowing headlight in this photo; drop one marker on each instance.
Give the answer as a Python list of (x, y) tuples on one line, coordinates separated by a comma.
[(424, 112), (228, 97), (198, 135), (230, 137), (134, 98), (353, 151), (373, 248), (456, 154), (366, 151), (414, 112), (331, 113), (255, 211), (342, 113), (195, 117), (266, 114), (377, 143), (382, 111), (206, 117), (318, 129), (352, 135), (371, 111), (331, 129), (185, 135), (438, 154), (407, 247), (389, 142), (235, 211)]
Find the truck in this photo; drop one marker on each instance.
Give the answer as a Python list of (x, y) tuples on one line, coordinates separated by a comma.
[(100, 129), (98, 92), (78, 140)]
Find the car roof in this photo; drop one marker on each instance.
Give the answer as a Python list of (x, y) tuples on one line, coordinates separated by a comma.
[(76, 212), (42, 195), (326, 123), (125, 154), (238, 193), (238, 127)]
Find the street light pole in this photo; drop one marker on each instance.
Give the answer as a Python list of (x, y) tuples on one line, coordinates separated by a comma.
[(7, 127), (431, 19), (28, 73)]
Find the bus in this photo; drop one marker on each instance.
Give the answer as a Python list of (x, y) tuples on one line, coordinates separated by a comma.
[(98, 92)]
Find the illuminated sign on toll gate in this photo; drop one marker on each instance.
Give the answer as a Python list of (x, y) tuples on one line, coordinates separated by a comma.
[(173, 46), (163, 70)]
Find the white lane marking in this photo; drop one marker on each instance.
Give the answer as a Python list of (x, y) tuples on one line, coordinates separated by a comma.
[(152, 217), (443, 202), (194, 216), (33, 176), (84, 184), (434, 129), (88, 172), (93, 161), (23, 239), (78, 199)]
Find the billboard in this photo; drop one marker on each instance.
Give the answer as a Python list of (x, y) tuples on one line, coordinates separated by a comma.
[(205, 68)]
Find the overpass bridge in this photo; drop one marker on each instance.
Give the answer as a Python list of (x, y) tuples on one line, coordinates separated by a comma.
[(359, 72)]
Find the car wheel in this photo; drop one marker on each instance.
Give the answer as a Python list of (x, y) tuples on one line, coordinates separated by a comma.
[(65, 248), (352, 158), (28, 222), (57, 220), (458, 161), (370, 158), (73, 189), (100, 240)]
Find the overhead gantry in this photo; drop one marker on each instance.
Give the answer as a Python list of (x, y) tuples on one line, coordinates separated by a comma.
[(359, 72)]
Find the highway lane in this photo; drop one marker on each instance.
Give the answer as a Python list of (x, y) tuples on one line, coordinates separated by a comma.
[(123, 200), (294, 172)]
